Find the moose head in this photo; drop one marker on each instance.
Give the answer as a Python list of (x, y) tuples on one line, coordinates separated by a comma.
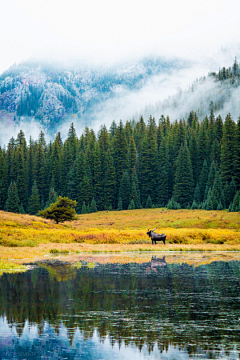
[(149, 233)]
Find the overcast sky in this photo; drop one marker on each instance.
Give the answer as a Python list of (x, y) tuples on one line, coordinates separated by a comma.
[(108, 31)]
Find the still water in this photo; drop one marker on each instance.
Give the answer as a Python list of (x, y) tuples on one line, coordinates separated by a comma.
[(156, 309)]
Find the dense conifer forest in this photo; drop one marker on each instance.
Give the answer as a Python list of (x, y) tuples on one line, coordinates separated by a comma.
[(182, 164)]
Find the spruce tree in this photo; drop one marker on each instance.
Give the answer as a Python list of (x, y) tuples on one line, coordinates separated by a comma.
[(93, 207), (183, 182), (149, 203), (163, 170), (229, 192), (228, 150), (12, 203), (119, 207), (237, 171), (34, 201), (84, 208), (203, 178), (125, 190)]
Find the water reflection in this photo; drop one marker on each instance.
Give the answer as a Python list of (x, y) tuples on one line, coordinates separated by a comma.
[(150, 310)]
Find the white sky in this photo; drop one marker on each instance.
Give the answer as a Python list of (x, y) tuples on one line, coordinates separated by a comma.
[(109, 31)]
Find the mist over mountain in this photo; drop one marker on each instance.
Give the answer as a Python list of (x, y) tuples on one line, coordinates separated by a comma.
[(48, 95), (44, 96)]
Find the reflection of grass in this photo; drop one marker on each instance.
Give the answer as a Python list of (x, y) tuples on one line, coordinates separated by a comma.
[(6, 266)]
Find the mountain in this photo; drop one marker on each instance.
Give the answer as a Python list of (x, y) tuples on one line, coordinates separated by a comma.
[(50, 93)]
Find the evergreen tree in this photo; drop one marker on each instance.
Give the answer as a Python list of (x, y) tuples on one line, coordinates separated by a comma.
[(203, 178), (22, 183), (93, 207), (125, 190), (149, 203), (237, 171), (228, 150), (163, 169), (109, 182), (120, 153), (34, 201), (236, 202), (119, 207), (131, 205), (229, 192), (84, 208), (12, 203), (183, 187), (197, 195), (217, 192)]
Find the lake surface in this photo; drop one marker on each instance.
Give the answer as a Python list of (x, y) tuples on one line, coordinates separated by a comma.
[(155, 309)]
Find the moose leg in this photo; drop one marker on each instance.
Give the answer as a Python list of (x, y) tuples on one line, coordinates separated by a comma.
[(152, 241)]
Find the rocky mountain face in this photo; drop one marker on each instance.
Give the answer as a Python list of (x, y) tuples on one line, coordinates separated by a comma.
[(49, 93)]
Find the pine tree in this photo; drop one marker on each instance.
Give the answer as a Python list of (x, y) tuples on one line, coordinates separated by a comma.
[(237, 171), (97, 177), (149, 165), (163, 169), (84, 208), (109, 182), (132, 155), (120, 153), (93, 207), (12, 203), (149, 203), (119, 207), (22, 183), (197, 195), (228, 150), (203, 178), (135, 193), (229, 192), (125, 190), (34, 201), (236, 202), (183, 187), (217, 192)]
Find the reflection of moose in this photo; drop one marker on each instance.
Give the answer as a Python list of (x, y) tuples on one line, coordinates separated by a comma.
[(156, 262), (156, 237)]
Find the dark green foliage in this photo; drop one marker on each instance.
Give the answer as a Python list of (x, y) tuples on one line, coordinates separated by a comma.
[(203, 178), (229, 192), (34, 201), (236, 202), (135, 193), (149, 203), (125, 190), (131, 205), (228, 150), (62, 210), (183, 183), (163, 176), (93, 207), (172, 204), (128, 164), (12, 202), (84, 208), (119, 207), (197, 195)]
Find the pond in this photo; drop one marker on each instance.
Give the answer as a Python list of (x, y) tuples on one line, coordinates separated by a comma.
[(146, 307)]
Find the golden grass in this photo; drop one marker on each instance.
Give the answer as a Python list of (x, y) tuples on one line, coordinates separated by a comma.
[(25, 236)]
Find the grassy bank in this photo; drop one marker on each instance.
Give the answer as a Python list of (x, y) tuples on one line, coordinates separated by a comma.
[(187, 230)]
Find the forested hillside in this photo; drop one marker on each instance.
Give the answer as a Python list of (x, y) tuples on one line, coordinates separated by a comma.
[(50, 93), (188, 164)]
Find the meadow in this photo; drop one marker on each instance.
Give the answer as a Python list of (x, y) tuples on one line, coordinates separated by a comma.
[(26, 236)]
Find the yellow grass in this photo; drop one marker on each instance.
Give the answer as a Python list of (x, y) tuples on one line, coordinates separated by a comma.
[(25, 236)]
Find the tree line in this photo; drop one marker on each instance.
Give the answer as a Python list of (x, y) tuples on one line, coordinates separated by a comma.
[(182, 164)]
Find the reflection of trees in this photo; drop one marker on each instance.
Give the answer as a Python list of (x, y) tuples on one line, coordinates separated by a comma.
[(176, 304)]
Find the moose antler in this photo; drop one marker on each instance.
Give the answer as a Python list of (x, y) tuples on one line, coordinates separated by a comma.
[(154, 229)]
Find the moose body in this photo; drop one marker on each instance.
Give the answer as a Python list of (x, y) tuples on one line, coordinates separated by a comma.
[(156, 237)]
